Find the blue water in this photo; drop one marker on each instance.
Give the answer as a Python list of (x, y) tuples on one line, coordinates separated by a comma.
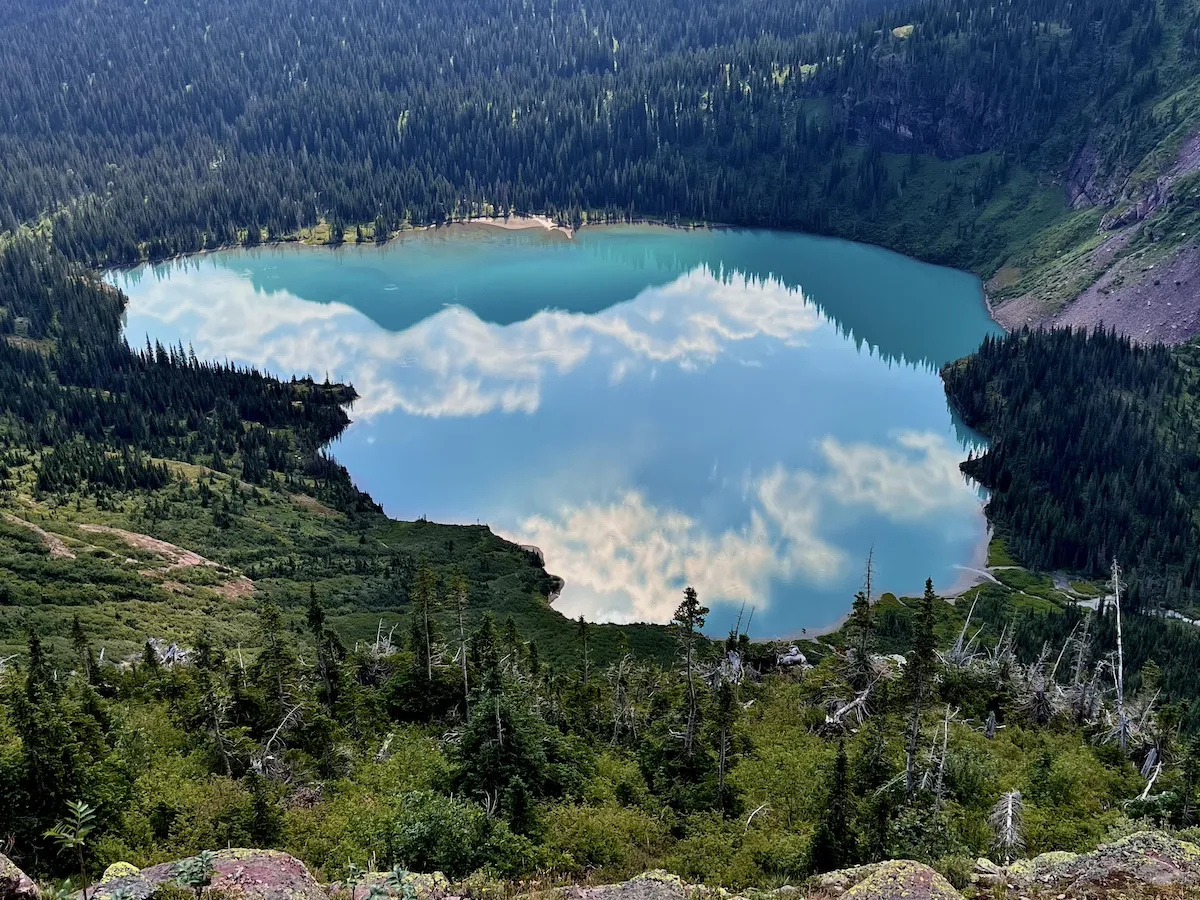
[(747, 412)]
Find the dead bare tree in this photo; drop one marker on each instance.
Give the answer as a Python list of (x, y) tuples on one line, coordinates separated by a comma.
[(458, 590), (623, 714), (217, 707), (939, 785), (1122, 720), (266, 760), (839, 710), (1037, 698), (964, 652), (1006, 822)]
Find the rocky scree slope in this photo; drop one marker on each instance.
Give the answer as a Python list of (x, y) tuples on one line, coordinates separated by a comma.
[(1130, 257)]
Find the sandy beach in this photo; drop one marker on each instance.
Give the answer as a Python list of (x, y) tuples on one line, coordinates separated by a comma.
[(519, 223)]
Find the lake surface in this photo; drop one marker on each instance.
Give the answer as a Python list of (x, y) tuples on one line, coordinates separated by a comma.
[(747, 412)]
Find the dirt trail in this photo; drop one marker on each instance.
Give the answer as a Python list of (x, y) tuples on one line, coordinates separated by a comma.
[(176, 558), (58, 549)]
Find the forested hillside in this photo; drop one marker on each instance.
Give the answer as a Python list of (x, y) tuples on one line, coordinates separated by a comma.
[(937, 127), (1092, 455)]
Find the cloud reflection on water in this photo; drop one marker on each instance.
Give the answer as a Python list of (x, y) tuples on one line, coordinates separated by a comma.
[(630, 559), (454, 363)]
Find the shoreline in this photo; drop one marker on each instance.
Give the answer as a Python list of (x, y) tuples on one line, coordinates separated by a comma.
[(516, 223), (537, 221), (526, 223)]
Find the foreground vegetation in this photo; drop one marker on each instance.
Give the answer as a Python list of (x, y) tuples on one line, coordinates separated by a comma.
[(716, 765)]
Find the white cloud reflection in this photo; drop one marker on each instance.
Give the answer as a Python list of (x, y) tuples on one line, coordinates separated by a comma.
[(627, 561), (455, 364)]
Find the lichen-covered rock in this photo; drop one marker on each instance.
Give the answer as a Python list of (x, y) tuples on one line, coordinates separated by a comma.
[(653, 885), (15, 884), (899, 879), (650, 886), (1148, 859), (1040, 867), (118, 870), (249, 874), (987, 872)]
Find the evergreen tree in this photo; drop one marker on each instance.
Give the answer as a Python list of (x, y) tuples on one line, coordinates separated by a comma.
[(919, 670), (687, 622), (834, 844)]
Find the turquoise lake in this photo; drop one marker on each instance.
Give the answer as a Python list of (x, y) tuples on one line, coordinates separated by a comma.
[(748, 412)]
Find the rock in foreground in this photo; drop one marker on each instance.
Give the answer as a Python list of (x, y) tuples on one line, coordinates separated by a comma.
[(655, 885), (15, 884), (898, 879), (1145, 861), (249, 874)]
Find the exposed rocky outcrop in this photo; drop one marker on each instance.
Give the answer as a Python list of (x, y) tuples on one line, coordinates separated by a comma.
[(898, 879), (1156, 302), (1144, 864), (1149, 294), (1086, 184), (1149, 864), (1147, 859), (655, 885), (900, 114), (249, 874), (15, 884)]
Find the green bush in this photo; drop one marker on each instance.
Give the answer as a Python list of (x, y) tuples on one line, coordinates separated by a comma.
[(956, 870), (623, 841)]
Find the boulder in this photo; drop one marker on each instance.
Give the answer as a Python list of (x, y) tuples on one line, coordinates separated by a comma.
[(656, 885), (15, 884), (898, 879), (249, 874), (1148, 859), (118, 870)]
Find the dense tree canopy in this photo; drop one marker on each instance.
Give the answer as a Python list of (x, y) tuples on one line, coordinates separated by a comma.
[(1092, 454), (149, 129)]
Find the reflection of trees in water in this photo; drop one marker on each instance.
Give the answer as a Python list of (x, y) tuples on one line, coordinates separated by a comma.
[(904, 312), (861, 289)]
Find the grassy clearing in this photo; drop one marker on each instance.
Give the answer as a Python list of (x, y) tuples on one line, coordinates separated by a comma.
[(998, 554), (1055, 265), (1023, 580), (1022, 603)]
